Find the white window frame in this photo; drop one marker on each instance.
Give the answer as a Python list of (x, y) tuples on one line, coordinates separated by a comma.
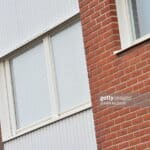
[(127, 34), (7, 87)]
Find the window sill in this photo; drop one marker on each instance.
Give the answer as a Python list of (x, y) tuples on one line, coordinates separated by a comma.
[(49, 121), (133, 44)]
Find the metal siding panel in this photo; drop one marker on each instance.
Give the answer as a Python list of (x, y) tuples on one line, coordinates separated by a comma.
[(21, 20), (73, 133)]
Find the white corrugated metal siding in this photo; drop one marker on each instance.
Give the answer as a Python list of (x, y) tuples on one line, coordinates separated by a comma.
[(73, 133), (22, 20)]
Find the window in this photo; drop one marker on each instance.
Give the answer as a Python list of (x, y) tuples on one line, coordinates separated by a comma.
[(134, 22), (140, 14), (47, 79)]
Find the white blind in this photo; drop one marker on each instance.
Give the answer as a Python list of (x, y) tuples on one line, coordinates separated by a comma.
[(30, 83), (70, 66)]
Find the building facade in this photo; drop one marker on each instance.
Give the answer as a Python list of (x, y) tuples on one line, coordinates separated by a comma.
[(75, 74)]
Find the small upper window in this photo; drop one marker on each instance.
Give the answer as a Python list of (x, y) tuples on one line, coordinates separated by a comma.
[(140, 15), (134, 22)]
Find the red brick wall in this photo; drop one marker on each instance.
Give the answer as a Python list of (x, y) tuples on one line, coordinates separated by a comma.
[(116, 128)]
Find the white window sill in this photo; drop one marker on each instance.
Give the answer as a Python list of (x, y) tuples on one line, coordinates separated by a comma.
[(136, 42), (48, 121)]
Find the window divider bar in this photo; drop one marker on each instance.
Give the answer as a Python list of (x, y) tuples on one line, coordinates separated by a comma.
[(10, 95), (51, 74)]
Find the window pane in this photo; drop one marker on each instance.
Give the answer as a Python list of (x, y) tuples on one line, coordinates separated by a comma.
[(32, 100), (70, 66), (141, 17)]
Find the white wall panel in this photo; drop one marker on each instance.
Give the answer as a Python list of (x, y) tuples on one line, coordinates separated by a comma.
[(73, 133), (21, 20)]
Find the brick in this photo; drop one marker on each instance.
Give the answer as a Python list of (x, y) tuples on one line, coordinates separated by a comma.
[(126, 125), (106, 144), (141, 146), (115, 128), (137, 120), (122, 132), (142, 112), (133, 128), (123, 145), (134, 141), (145, 138), (119, 120), (130, 116)]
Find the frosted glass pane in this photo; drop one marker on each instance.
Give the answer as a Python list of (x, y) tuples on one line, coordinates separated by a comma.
[(141, 12), (70, 67), (30, 83)]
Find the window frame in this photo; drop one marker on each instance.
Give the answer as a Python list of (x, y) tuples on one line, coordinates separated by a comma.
[(126, 27), (52, 81)]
